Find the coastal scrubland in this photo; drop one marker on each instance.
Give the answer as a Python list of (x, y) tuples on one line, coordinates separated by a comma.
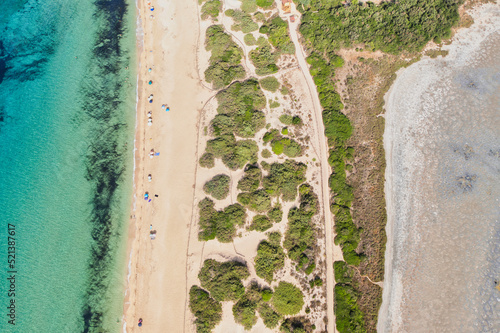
[(263, 180), (352, 79)]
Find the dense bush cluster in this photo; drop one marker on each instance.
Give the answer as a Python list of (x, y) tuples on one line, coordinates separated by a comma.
[(296, 325), (260, 223), (225, 59), (290, 120), (223, 279), (277, 32), (264, 59), (257, 201), (238, 110), (251, 179), (235, 154), (243, 21), (349, 316), (270, 317), (299, 235), (208, 311), (211, 8), (283, 145), (284, 178), (270, 257), (270, 83), (218, 186), (287, 299), (219, 224), (391, 26)]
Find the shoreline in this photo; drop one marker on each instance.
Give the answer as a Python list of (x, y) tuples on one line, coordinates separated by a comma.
[(156, 274), (404, 262)]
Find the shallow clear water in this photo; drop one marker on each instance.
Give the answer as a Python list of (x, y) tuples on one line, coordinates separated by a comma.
[(445, 118), (66, 137)]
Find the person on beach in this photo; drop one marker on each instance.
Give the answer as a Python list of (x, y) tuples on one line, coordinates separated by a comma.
[(140, 322)]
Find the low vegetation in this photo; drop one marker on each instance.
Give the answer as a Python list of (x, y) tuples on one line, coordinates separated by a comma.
[(296, 325), (225, 58), (219, 224), (270, 317), (283, 145), (223, 279), (257, 201), (243, 21), (290, 120), (234, 154), (244, 312), (270, 257), (211, 8), (391, 26), (251, 179), (264, 59), (207, 311), (284, 178), (260, 223), (218, 186), (270, 83), (287, 299), (277, 32), (299, 235)]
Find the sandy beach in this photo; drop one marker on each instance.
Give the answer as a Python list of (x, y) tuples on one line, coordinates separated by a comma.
[(442, 197), (157, 289)]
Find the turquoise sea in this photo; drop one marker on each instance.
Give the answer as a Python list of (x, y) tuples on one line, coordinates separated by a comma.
[(67, 113)]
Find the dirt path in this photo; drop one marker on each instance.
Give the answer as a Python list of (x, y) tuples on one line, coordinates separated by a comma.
[(332, 252)]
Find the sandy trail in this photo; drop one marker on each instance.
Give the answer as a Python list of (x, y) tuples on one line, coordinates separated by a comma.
[(333, 252), (157, 286)]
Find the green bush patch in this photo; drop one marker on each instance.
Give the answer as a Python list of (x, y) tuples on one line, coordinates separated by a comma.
[(225, 58), (218, 186), (223, 279), (287, 299), (219, 224), (270, 83), (270, 258), (208, 312)]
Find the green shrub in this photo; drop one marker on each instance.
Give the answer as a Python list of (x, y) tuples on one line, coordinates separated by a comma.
[(266, 295), (270, 83), (243, 22), (328, 26), (296, 325), (266, 153), (269, 259), (219, 224), (290, 120), (287, 299), (259, 17), (269, 136), (276, 214), (277, 147), (257, 201), (264, 59), (266, 4), (251, 179), (249, 39), (208, 312), (349, 317), (300, 233), (211, 9), (284, 131), (317, 281), (284, 178), (218, 186), (260, 223), (234, 154), (240, 97), (270, 317), (207, 160), (284, 90), (277, 30), (343, 274), (248, 6), (274, 104), (310, 268), (225, 58), (223, 279), (244, 312)]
